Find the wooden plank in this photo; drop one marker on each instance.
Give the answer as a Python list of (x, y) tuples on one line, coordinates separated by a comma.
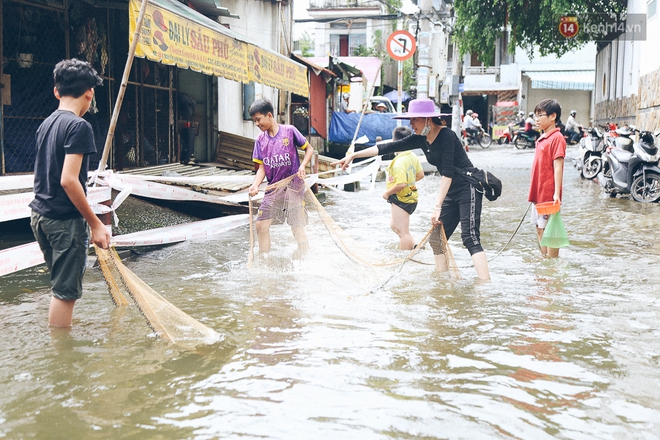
[(235, 151)]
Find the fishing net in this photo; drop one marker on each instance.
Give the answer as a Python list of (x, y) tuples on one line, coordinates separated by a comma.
[(165, 319), (296, 205), (290, 201), (554, 234), (444, 259)]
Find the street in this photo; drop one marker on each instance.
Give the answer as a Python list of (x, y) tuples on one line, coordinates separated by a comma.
[(564, 348)]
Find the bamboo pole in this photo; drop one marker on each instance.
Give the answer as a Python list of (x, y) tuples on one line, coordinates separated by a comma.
[(122, 88)]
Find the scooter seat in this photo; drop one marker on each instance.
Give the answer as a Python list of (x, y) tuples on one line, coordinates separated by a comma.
[(622, 156), (624, 143)]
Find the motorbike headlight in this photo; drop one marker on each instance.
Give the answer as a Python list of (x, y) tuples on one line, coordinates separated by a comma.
[(646, 157)]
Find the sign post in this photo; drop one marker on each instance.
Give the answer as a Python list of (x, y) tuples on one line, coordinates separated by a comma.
[(401, 46)]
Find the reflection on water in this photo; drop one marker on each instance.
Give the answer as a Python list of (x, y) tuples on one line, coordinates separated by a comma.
[(564, 348)]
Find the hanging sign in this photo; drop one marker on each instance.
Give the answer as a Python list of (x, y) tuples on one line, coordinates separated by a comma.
[(175, 34), (401, 45)]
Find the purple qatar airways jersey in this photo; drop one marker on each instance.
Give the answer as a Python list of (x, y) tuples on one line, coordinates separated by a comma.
[(279, 154)]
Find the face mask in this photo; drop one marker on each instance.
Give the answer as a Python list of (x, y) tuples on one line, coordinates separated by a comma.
[(426, 130)]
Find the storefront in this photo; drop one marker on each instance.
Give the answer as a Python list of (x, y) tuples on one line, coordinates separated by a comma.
[(181, 55)]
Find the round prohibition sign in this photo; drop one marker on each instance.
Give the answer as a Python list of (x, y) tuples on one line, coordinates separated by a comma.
[(401, 45)]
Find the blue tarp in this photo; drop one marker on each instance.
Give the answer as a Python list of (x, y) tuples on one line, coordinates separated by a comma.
[(342, 126)]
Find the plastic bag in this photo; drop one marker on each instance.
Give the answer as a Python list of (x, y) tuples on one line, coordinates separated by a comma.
[(554, 235)]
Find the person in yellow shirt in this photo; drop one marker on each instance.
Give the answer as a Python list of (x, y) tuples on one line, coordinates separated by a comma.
[(402, 174)]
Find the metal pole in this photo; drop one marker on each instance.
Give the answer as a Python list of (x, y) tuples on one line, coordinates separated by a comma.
[(399, 85), (423, 49), (2, 85), (456, 108), (122, 88)]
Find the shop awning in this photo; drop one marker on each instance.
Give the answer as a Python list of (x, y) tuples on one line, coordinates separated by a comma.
[(368, 67), (562, 79), (175, 34)]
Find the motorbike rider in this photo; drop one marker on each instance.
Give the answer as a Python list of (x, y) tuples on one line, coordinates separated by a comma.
[(515, 127), (343, 106), (573, 129), (530, 123), (471, 127), (477, 125)]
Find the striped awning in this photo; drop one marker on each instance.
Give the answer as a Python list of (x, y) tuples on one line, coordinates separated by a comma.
[(562, 79)]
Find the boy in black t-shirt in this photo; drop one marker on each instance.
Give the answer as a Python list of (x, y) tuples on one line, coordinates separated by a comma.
[(60, 207)]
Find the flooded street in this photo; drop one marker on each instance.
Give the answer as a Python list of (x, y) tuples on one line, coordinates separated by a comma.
[(566, 348)]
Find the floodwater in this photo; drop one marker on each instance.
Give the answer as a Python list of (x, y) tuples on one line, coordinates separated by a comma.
[(566, 348)]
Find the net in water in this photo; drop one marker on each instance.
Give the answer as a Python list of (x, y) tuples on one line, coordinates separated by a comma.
[(168, 321), (296, 205)]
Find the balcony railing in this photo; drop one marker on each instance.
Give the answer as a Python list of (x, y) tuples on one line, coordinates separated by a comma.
[(481, 70), (335, 4)]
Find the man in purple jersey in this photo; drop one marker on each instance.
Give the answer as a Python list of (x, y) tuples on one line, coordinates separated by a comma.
[(276, 152)]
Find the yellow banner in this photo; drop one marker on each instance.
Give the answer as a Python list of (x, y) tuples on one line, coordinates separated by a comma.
[(178, 40), (274, 70)]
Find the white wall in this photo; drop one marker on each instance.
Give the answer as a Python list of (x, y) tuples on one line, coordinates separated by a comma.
[(621, 63), (508, 79), (579, 59), (579, 100), (650, 60)]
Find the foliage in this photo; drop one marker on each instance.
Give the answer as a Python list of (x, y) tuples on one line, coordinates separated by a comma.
[(361, 51), (306, 45), (409, 79), (392, 6), (531, 23)]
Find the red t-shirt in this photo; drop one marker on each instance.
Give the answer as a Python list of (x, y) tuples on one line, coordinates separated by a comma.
[(549, 147)]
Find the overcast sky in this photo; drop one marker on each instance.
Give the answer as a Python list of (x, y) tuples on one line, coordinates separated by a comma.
[(300, 9)]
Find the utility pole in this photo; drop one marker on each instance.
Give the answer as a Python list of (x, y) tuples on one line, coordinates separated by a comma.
[(456, 98), (424, 49)]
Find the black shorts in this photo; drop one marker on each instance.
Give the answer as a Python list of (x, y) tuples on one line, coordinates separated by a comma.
[(408, 207), (64, 244)]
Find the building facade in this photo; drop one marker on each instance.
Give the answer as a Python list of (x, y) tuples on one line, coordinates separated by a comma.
[(628, 74), (162, 101)]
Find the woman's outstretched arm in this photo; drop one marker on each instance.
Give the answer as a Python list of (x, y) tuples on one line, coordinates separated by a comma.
[(346, 161)]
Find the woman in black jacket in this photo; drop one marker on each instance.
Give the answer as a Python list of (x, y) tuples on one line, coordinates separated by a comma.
[(457, 200)]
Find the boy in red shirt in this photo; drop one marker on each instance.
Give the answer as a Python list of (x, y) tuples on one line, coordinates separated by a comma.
[(548, 165)]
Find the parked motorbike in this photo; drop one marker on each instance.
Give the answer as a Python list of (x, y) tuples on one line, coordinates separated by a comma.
[(507, 136), (523, 140), (590, 158), (610, 135), (623, 140), (634, 172), (481, 138)]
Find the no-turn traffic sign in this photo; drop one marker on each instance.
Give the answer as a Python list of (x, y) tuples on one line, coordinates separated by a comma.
[(401, 45)]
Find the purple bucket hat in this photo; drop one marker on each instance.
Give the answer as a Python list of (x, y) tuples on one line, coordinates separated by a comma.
[(421, 108)]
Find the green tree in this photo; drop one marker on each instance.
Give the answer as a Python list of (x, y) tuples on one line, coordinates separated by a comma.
[(306, 45), (531, 23)]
